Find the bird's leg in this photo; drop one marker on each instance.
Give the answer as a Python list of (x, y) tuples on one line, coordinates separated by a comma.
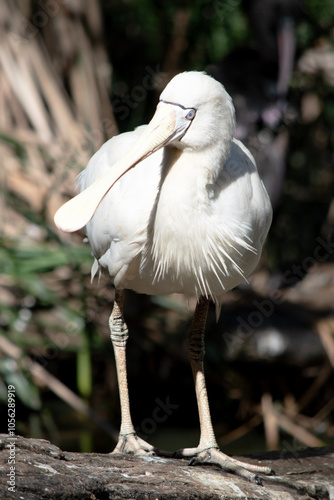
[(128, 441), (207, 451)]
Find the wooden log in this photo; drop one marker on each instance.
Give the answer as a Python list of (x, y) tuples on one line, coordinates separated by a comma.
[(41, 470)]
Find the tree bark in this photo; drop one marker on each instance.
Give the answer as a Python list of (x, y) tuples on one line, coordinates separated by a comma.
[(44, 471)]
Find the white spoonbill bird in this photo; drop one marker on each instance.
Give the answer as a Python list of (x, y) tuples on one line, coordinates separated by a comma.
[(175, 206)]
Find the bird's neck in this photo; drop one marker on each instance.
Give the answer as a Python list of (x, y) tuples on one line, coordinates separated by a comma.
[(193, 166), (183, 181), (186, 182), (181, 212)]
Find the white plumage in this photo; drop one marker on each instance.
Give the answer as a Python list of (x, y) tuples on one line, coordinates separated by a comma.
[(185, 219), (175, 206)]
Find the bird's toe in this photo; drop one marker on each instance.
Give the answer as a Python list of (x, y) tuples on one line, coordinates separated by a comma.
[(214, 456), (132, 444)]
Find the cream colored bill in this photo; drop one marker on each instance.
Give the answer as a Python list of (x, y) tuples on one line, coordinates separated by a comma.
[(77, 212)]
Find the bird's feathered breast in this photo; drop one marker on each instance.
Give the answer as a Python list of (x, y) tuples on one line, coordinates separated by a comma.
[(207, 237), (168, 226)]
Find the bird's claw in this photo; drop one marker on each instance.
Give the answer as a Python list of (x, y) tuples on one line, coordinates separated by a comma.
[(200, 458), (215, 457), (132, 444)]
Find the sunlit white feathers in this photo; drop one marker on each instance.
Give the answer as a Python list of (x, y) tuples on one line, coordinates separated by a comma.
[(191, 217)]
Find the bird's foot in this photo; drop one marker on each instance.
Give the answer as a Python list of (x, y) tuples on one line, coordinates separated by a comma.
[(132, 444), (214, 456)]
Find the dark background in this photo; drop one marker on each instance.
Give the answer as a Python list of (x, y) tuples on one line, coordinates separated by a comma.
[(104, 66)]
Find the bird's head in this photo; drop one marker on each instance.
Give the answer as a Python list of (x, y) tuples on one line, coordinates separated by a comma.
[(202, 110), (194, 112)]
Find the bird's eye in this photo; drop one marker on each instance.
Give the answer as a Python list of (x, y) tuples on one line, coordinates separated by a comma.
[(191, 114)]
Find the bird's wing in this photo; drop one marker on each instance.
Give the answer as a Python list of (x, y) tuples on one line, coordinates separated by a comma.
[(242, 206), (118, 230)]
